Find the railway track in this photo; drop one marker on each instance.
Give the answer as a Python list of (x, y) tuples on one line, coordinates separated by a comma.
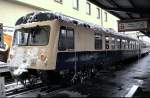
[(41, 91), (21, 92), (16, 88)]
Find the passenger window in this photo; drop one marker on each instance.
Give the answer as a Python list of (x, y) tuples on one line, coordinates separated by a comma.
[(106, 42), (123, 44), (132, 44), (128, 44), (113, 43), (66, 39), (118, 44), (70, 39), (98, 41)]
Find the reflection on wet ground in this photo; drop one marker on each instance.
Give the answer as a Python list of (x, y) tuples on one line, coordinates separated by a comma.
[(119, 83)]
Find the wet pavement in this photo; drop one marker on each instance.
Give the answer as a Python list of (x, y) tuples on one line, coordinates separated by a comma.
[(119, 83)]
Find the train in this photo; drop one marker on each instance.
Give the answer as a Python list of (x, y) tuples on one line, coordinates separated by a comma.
[(54, 46)]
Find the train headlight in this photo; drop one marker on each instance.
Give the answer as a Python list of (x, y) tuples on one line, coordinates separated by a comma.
[(43, 57)]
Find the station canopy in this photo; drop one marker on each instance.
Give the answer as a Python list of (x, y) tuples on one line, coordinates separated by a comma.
[(127, 9)]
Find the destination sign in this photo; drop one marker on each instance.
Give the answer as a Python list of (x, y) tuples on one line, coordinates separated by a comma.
[(133, 25)]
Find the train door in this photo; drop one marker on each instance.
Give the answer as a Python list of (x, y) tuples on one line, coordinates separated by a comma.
[(66, 45), (66, 39)]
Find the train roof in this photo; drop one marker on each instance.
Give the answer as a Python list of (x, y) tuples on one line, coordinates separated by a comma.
[(49, 15)]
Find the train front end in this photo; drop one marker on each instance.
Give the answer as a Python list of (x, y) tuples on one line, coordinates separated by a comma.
[(31, 47)]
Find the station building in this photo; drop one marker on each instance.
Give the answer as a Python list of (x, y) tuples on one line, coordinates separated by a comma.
[(84, 10)]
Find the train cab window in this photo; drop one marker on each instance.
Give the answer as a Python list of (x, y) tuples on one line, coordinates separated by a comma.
[(106, 42), (22, 38), (39, 38), (113, 42), (66, 39), (35, 36), (98, 41)]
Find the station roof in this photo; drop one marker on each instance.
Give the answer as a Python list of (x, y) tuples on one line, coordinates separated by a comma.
[(126, 9)]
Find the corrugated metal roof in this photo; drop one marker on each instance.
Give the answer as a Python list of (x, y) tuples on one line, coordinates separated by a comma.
[(126, 9)]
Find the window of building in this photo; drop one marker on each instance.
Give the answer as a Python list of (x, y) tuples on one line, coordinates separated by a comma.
[(98, 13), (66, 39), (98, 41), (106, 17), (106, 42), (59, 1), (88, 8), (75, 4)]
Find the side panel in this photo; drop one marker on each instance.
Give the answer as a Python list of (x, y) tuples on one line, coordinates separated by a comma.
[(67, 59)]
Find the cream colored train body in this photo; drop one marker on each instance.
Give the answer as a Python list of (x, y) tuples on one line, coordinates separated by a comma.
[(83, 50)]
